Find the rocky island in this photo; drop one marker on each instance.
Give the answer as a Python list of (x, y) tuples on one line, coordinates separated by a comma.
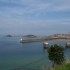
[(30, 36), (8, 36)]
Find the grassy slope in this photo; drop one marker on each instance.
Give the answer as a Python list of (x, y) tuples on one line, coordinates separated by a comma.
[(63, 67)]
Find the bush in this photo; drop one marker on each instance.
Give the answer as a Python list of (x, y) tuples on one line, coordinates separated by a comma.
[(56, 54)]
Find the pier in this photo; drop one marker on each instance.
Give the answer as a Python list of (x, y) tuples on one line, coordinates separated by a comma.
[(42, 39)]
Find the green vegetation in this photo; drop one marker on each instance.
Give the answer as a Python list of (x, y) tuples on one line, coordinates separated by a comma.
[(56, 54), (63, 67)]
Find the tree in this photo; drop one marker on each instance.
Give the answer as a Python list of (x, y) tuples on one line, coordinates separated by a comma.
[(56, 54)]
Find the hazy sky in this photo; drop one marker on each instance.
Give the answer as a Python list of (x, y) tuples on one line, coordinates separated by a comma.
[(40, 17)]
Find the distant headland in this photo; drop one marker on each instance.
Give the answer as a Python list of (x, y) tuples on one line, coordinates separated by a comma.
[(8, 36), (30, 36)]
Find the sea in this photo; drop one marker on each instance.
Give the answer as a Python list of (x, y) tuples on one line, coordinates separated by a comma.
[(28, 56)]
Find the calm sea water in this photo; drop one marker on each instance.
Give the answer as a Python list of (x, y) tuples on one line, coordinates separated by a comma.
[(16, 55)]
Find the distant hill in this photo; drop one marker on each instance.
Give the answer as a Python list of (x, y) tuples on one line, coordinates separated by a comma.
[(8, 35), (30, 36)]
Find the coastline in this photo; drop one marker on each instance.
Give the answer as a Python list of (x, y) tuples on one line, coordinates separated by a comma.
[(42, 39)]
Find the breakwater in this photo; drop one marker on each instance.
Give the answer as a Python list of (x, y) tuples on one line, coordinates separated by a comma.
[(42, 39)]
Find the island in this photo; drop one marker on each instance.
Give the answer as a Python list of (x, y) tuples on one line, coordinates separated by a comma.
[(30, 36), (8, 35)]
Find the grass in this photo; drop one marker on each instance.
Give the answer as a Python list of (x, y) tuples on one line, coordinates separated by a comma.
[(63, 67)]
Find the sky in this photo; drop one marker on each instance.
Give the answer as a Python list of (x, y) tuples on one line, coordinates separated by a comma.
[(39, 17)]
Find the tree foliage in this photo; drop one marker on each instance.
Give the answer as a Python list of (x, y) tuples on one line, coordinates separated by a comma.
[(56, 54)]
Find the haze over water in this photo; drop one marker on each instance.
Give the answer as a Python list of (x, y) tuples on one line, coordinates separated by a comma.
[(39, 17)]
